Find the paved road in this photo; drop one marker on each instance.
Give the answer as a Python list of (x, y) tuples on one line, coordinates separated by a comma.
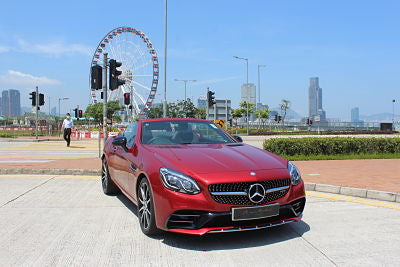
[(66, 220)]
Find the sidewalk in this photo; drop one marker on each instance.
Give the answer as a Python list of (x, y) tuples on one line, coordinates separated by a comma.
[(376, 174)]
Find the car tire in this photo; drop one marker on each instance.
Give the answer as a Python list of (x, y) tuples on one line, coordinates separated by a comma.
[(146, 214), (109, 187)]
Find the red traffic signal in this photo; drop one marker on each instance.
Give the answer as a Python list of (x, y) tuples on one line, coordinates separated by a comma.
[(80, 113), (127, 98), (114, 82)]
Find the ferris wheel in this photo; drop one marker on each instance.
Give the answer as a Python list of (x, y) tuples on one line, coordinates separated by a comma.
[(139, 67)]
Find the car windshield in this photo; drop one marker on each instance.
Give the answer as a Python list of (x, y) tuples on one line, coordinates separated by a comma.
[(183, 132)]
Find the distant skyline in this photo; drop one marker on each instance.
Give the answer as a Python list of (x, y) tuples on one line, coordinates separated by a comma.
[(352, 46)]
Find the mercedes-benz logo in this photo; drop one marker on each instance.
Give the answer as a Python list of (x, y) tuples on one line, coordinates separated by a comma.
[(256, 193)]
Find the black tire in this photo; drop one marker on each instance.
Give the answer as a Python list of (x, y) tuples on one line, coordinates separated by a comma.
[(109, 187), (146, 214)]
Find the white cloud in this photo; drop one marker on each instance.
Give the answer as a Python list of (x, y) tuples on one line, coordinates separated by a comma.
[(55, 48), (4, 49), (217, 80), (13, 77)]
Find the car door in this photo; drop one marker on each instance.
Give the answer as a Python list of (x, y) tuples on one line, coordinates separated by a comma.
[(124, 165)]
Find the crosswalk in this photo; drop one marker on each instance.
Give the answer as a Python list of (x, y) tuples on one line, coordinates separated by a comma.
[(49, 150)]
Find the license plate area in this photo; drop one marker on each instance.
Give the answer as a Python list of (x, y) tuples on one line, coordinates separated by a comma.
[(252, 213)]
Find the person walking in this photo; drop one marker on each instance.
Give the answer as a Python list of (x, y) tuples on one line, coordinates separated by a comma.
[(67, 125)]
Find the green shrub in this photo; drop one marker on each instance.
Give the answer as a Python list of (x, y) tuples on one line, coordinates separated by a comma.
[(332, 146)]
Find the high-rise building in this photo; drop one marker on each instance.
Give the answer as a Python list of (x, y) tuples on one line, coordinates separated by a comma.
[(355, 114), (53, 111), (11, 103), (248, 93), (315, 110), (202, 101)]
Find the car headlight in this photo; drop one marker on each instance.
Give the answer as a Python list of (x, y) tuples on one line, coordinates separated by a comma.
[(295, 175), (179, 182)]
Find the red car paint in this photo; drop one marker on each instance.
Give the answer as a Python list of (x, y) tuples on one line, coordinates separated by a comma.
[(206, 164)]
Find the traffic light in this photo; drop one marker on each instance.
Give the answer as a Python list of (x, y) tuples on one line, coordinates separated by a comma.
[(96, 77), (76, 112), (41, 99), (276, 117), (114, 73), (127, 98), (80, 115), (33, 97), (211, 98)]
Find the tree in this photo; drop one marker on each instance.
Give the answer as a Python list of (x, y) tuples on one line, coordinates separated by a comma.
[(263, 114), (247, 107), (155, 112), (96, 111), (201, 113), (236, 114), (284, 106)]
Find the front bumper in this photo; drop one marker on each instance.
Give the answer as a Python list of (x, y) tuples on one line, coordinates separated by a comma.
[(201, 222)]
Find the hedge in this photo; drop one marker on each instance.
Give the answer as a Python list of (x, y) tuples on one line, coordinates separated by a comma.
[(331, 146), (328, 132)]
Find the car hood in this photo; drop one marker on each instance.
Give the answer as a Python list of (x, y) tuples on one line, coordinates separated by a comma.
[(214, 158)]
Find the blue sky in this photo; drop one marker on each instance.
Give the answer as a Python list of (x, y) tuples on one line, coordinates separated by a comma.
[(352, 46)]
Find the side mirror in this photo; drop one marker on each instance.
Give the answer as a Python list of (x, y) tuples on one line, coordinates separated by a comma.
[(120, 141), (238, 138)]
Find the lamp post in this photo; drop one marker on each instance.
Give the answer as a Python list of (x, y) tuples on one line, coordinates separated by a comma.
[(259, 86), (165, 58), (393, 101), (59, 113), (247, 84), (185, 81)]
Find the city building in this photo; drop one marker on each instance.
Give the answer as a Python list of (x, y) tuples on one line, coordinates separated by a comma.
[(202, 101), (53, 111), (11, 103), (315, 110), (248, 93), (355, 114)]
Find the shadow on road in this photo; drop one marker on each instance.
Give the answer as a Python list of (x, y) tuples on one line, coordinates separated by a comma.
[(223, 241)]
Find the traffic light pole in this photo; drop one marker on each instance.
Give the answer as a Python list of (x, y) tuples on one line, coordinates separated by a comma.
[(207, 108), (105, 59), (37, 110)]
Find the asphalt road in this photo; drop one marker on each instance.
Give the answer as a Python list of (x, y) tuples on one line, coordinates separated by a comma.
[(66, 220)]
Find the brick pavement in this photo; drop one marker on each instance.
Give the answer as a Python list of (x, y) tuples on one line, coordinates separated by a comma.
[(377, 174)]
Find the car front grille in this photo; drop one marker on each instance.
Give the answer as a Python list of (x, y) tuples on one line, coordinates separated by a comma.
[(282, 186)]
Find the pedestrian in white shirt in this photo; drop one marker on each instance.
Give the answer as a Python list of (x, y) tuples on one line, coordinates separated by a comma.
[(67, 125)]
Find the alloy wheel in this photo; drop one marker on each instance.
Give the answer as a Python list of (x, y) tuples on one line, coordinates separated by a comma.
[(144, 206)]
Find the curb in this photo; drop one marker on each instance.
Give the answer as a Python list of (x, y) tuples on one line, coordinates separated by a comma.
[(52, 172), (354, 192)]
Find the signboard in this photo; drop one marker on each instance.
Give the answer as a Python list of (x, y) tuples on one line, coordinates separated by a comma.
[(220, 123)]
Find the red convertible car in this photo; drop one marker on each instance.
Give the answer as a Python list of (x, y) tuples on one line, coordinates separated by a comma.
[(190, 176)]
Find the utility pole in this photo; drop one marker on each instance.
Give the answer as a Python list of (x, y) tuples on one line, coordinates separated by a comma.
[(105, 60), (37, 110), (165, 58), (248, 97)]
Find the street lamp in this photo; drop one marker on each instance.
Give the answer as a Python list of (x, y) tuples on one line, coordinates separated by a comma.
[(259, 86), (393, 101), (165, 57), (185, 81), (59, 112), (247, 84)]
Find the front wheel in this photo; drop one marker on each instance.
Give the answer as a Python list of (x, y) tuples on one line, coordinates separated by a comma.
[(146, 214), (109, 188)]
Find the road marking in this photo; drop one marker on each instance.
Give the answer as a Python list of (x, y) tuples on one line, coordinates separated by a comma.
[(313, 174), (369, 202)]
